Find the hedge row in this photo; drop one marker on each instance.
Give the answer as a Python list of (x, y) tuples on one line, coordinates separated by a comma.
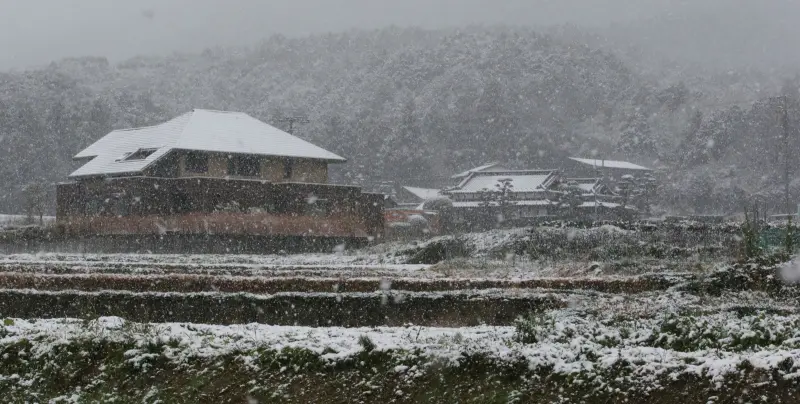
[(260, 285), (349, 310)]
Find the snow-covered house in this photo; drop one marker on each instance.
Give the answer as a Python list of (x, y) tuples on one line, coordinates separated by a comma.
[(591, 188), (212, 172), (416, 196), (204, 143), (613, 169), (516, 194), (595, 193)]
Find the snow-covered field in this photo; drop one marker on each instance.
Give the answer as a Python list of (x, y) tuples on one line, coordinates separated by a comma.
[(307, 260), (647, 331), (512, 254), (637, 342), (573, 344)]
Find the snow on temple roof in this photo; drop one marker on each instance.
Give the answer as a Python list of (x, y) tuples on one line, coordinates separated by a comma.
[(132, 150), (588, 185), (599, 163), (424, 193), (485, 167), (522, 180)]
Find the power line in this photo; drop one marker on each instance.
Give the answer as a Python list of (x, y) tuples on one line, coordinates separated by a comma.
[(291, 120)]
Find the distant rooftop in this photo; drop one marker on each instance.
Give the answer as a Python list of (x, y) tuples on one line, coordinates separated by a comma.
[(522, 180), (486, 167), (132, 150), (587, 185), (600, 163), (424, 193)]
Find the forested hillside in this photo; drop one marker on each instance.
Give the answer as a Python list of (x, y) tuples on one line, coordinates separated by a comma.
[(407, 105)]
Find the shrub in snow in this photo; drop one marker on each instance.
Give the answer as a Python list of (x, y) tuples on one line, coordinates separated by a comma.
[(440, 249), (533, 328), (685, 333), (366, 343), (688, 333), (760, 273), (418, 223), (439, 203)]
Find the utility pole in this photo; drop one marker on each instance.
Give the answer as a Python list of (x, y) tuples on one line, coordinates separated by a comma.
[(291, 120), (786, 153)]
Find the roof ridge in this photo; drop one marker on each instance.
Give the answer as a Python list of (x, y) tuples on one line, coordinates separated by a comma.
[(150, 126), (536, 170), (219, 111)]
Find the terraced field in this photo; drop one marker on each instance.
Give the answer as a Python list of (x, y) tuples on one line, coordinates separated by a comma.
[(367, 326)]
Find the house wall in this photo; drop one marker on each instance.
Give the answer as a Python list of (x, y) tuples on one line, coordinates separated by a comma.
[(217, 165), (303, 170), (208, 205), (272, 169), (313, 171)]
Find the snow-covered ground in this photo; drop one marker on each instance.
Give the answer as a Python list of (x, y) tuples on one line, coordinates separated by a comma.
[(22, 219), (386, 255), (490, 255), (331, 265), (268, 266), (308, 260), (566, 341)]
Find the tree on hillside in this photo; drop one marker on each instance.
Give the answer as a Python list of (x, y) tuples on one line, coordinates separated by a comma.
[(693, 146), (637, 138), (35, 201)]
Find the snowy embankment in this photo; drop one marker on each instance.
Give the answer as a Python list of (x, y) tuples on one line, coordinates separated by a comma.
[(452, 309), (509, 254), (331, 260), (612, 355), (572, 345)]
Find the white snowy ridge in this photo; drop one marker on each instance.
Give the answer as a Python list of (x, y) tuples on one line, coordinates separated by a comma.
[(572, 344)]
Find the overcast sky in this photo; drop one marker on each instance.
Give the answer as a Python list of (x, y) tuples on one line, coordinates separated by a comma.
[(35, 32)]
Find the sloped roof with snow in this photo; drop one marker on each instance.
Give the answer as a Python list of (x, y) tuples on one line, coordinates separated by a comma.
[(424, 193), (483, 168), (202, 130), (600, 163), (587, 185), (522, 181), (598, 204)]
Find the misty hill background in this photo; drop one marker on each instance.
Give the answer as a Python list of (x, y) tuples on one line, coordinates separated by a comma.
[(414, 106)]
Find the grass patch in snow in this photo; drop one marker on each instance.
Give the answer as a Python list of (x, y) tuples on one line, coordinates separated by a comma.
[(681, 332)]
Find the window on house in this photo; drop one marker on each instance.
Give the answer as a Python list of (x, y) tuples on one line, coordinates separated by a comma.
[(244, 166), (197, 163), (288, 166), (140, 154)]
